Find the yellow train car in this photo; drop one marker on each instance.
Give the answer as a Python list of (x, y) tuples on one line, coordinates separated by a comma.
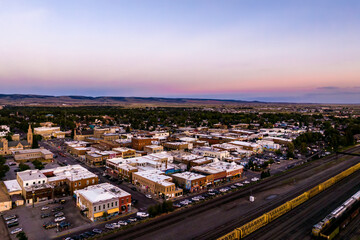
[(253, 225), (234, 235), (314, 191), (277, 212), (299, 200)]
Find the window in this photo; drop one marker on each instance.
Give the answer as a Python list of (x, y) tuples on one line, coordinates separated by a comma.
[(75, 184), (39, 181), (122, 201), (79, 184), (87, 182), (93, 181), (33, 182), (112, 204), (27, 184), (43, 181), (115, 203), (99, 207), (104, 206), (95, 209), (108, 205)]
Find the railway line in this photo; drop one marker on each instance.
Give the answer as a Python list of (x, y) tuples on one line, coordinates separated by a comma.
[(298, 223), (145, 229)]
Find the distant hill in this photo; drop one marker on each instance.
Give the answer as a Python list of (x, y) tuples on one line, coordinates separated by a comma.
[(47, 100)]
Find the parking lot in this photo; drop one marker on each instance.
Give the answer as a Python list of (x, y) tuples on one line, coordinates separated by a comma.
[(30, 220)]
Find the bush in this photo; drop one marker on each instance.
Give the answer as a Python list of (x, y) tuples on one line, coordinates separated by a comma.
[(165, 207), (38, 164), (23, 167)]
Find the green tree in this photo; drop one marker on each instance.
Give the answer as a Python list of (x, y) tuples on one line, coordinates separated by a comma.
[(38, 164), (23, 167), (21, 236)]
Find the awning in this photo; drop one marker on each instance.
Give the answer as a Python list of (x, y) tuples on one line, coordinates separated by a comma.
[(113, 210), (99, 214)]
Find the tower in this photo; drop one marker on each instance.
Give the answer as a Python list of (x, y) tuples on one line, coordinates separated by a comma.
[(30, 136)]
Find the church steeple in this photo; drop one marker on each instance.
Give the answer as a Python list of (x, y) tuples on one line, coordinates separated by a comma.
[(30, 136)]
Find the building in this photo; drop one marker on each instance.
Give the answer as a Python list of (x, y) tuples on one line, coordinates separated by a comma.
[(33, 154), (218, 171), (34, 185), (211, 152), (47, 132), (124, 152), (247, 146), (190, 181), (157, 183), (138, 143), (7, 147), (177, 145), (5, 200), (103, 199), (14, 190), (69, 178), (153, 149)]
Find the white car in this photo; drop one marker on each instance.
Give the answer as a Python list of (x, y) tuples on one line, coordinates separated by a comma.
[(59, 219), (239, 184), (254, 179), (109, 226), (16, 230), (195, 199), (142, 214), (122, 223), (44, 208), (148, 196), (223, 190), (246, 182)]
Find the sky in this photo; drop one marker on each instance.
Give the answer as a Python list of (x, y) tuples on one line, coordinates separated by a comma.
[(266, 50)]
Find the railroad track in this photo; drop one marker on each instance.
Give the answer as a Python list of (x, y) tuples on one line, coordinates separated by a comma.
[(231, 225), (164, 221), (297, 224)]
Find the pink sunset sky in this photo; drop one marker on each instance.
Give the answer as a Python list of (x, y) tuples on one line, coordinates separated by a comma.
[(300, 51)]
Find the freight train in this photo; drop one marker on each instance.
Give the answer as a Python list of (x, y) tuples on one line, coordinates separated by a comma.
[(336, 217)]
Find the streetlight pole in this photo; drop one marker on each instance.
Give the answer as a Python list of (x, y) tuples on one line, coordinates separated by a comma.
[(33, 200)]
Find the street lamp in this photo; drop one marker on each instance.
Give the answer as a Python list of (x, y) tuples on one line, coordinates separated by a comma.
[(33, 195)]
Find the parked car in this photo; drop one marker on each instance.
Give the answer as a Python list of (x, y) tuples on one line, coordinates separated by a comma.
[(16, 230), (134, 201), (233, 186), (96, 230), (62, 201), (44, 208), (142, 214), (109, 226), (176, 205), (89, 234), (246, 182), (63, 225), (239, 184), (132, 219), (10, 217), (59, 214), (59, 219), (12, 221), (254, 179), (57, 209), (133, 188), (49, 225), (13, 224), (122, 223), (45, 215), (148, 196)]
